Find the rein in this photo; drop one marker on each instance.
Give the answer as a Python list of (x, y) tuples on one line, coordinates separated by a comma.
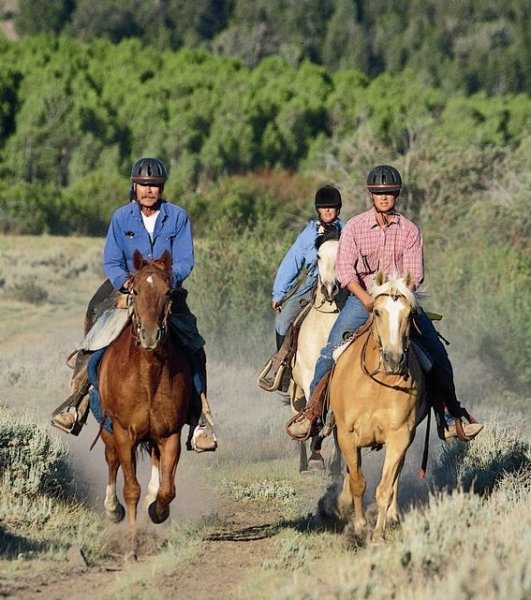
[(326, 312), (363, 354), (136, 323)]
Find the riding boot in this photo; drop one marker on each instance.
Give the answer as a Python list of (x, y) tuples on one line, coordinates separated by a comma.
[(443, 398), (199, 438), (73, 413), (279, 339), (309, 420)]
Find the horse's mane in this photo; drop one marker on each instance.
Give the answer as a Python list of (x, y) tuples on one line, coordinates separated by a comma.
[(395, 286), (329, 234)]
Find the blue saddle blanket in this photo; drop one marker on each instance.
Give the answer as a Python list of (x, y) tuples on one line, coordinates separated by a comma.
[(94, 395)]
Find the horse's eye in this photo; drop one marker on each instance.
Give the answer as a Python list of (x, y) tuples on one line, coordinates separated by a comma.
[(376, 312)]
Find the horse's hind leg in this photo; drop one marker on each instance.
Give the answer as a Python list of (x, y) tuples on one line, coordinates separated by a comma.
[(170, 451), (303, 457), (316, 460), (335, 462), (113, 509)]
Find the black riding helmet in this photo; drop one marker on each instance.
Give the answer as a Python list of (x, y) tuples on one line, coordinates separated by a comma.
[(148, 171), (328, 197), (384, 178)]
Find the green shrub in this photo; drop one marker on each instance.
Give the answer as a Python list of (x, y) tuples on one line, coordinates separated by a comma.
[(27, 291), (32, 462)]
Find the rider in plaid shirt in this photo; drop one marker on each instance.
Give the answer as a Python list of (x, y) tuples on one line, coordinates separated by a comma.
[(383, 239)]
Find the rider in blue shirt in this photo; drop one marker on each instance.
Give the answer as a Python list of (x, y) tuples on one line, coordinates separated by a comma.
[(127, 233), (150, 224), (296, 279)]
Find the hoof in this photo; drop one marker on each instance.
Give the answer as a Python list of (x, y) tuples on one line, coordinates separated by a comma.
[(316, 464), (157, 519), (116, 516)]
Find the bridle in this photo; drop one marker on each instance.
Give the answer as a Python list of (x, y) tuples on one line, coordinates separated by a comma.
[(363, 355), (318, 308), (136, 322)]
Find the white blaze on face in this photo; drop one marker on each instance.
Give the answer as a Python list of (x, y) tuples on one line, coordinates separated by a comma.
[(150, 280), (394, 309)]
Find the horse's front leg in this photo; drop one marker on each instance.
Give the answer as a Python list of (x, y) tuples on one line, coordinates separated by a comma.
[(113, 509), (154, 481), (386, 491), (170, 451), (354, 484), (393, 514), (126, 447)]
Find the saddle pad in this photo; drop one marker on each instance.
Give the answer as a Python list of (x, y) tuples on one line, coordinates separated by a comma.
[(105, 330), (94, 395)]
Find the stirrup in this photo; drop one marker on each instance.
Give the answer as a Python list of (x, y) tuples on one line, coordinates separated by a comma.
[(76, 425), (272, 383), (210, 442)]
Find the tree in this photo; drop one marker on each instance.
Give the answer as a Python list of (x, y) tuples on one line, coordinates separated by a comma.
[(34, 16)]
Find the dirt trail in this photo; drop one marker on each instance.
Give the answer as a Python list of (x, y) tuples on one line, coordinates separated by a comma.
[(217, 569)]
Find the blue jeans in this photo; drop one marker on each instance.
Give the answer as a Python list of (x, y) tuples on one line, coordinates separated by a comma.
[(354, 315), (292, 306)]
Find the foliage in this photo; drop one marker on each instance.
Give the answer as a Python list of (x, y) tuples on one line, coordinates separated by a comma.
[(469, 45), (27, 290), (32, 462)]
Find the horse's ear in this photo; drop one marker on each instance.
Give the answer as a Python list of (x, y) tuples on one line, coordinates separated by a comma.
[(408, 280), (138, 260), (380, 278), (166, 260)]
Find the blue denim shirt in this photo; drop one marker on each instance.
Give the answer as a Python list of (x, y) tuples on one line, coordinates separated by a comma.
[(127, 233), (302, 254)]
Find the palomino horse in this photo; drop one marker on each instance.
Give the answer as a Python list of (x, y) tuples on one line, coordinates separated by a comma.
[(145, 386), (313, 336), (377, 394)]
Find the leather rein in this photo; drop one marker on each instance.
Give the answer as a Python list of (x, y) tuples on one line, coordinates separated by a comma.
[(363, 355), (136, 323)]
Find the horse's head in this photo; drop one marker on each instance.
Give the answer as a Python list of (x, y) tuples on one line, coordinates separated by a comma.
[(326, 264), (394, 303), (150, 289)]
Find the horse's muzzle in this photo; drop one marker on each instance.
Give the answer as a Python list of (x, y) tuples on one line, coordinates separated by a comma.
[(151, 340)]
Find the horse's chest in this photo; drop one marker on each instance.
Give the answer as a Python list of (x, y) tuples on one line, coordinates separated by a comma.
[(377, 427)]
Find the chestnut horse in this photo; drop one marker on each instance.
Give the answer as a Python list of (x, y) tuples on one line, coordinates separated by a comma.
[(377, 394), (145, 386), (313, 336)]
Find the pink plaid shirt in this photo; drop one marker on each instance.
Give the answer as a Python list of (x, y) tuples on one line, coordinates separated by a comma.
[(365, 248)]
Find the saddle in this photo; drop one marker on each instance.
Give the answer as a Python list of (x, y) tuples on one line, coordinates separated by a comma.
[(276, 374)]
